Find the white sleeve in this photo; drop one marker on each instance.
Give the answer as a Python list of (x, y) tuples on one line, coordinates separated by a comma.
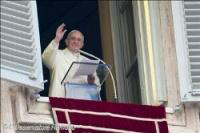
[(50, 54)]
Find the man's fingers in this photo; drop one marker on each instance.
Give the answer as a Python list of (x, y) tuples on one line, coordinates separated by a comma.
[(61, 26), (91, 77)]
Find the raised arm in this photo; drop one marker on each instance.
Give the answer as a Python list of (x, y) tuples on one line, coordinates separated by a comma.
[(50, 53)]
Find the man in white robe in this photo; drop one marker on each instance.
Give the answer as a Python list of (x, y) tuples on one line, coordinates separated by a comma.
[(59, 61)]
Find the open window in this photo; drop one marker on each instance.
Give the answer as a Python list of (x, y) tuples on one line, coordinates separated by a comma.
[(125, 51), (80, 15)]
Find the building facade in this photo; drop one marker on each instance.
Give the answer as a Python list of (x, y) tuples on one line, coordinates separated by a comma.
[(153, 46)]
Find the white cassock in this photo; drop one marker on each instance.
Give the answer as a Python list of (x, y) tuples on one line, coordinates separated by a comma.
[(58, 63)]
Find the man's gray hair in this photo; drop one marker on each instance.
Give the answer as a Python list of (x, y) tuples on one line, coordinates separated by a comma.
[(73, 31)]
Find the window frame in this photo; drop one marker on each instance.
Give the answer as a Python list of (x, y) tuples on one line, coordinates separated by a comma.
[(152, 92)]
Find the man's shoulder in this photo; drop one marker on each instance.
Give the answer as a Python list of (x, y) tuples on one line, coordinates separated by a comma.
[(61, 51)]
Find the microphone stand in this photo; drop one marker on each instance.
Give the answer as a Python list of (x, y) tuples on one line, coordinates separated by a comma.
[(113, 80)]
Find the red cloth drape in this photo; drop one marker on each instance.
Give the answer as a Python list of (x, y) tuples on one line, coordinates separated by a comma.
[(96, 117)]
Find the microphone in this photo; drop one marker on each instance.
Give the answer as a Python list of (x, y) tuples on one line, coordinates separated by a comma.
[(113, 80)]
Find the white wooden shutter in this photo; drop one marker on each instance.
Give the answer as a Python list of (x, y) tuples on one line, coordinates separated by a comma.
[(20, 44), (192, 27), (187, 29)]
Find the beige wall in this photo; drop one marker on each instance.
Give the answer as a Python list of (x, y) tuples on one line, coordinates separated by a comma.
[(186, 119)]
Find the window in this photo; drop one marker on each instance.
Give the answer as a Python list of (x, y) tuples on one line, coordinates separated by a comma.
[(125, 51), (80, 15)]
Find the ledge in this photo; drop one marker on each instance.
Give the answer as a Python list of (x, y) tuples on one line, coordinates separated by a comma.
[(31, 111)]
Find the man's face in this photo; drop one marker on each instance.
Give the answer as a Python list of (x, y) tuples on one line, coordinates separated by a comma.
[(75, 41)]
